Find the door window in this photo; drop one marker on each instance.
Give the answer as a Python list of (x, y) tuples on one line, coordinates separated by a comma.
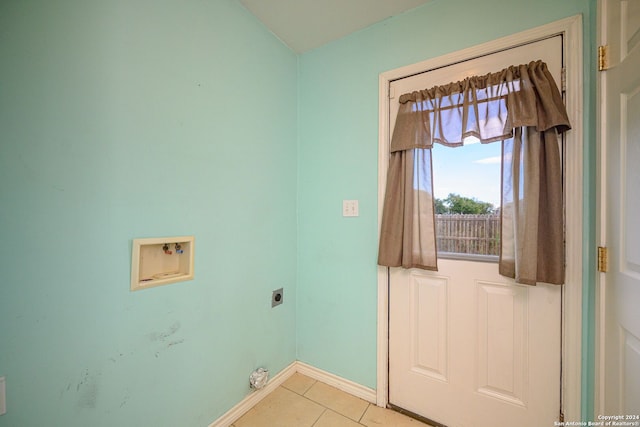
[(467, 206)]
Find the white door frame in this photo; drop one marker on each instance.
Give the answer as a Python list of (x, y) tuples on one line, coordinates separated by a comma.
[(571, 28), (600, 220)]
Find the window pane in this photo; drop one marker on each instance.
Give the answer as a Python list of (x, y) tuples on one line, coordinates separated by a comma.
[(467, 189)]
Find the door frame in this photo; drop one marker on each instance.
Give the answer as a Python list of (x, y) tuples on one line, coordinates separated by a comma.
[(601, 216), (571, 28)]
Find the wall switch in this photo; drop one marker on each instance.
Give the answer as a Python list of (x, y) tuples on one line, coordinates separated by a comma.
[(350, 208), (3, 397)]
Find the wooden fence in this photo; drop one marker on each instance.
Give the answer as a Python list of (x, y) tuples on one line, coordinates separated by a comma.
[(468, 234)]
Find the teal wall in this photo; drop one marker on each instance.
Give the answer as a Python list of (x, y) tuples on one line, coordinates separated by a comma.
[(125, 119), (590, 213), (338, 149), (122, 119)]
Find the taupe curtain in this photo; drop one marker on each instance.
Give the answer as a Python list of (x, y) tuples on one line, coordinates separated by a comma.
[(519, 106)]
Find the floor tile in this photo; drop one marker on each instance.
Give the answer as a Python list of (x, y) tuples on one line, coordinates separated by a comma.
[(282, 408), (337, 400), (299, 383), (380, 417), (333, 419)]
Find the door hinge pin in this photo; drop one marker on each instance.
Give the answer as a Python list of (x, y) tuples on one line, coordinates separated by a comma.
[(602, 58), (561, 417), (602, 259)]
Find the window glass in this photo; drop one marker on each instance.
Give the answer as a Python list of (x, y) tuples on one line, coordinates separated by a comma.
[(467, 189)]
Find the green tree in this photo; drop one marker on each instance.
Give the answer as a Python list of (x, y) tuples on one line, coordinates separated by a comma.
[(457, 204), (440, 207)]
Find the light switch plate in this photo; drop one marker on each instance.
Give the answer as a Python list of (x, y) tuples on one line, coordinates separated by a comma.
[(350, 208)]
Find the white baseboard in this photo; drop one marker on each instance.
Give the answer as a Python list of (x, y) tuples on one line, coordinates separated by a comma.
[(340, 383), (254, 398)]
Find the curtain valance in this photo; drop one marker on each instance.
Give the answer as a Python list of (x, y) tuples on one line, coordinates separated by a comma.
[(485, 107), (520, 106)]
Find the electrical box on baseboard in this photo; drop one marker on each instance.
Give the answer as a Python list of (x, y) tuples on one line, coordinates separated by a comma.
[(160, 261)]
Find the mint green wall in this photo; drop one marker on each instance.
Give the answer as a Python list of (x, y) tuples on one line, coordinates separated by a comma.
[(122, 119), (338, 149), (590, 212), (127, 119)]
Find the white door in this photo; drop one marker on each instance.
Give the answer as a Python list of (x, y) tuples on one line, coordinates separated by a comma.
[(468, 347), (620, 287)]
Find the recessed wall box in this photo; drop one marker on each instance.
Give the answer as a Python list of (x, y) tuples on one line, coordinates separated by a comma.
[(160, 261)]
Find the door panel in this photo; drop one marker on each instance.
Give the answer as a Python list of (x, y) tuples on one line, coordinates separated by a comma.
[(503, 341), (620, 339), (468, 347), (429, 326)]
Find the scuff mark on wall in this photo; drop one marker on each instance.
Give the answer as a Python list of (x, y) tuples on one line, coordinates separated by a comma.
[(89, 396), (114, 359), (87, 388), (165, 336), (84, 378), (162, 336), (125, 399), (169, 345), (172, 343), (65, 389)]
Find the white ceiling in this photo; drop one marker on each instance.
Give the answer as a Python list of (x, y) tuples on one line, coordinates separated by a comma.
[(306, 24)]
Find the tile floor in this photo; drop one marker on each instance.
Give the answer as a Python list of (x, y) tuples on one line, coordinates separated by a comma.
[(304, 402)]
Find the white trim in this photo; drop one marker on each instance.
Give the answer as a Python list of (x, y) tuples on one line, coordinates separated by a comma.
[(254, 398), (574, 199), (572, 30), (233, 414), (601, 218), (382, 375), (340, 383)]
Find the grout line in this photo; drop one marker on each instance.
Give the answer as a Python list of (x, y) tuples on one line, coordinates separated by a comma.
[(317, 403), (321, 414), (311, 400), (334, 410), (296, 392), (310, 387), (307, 390), (365, 411)]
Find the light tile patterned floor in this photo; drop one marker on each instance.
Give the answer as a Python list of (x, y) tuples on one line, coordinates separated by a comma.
[(304, 402)]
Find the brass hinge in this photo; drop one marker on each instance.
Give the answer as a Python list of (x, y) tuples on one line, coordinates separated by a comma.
[(563, 77), (603, 57), (602, 259), (561, 417)]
